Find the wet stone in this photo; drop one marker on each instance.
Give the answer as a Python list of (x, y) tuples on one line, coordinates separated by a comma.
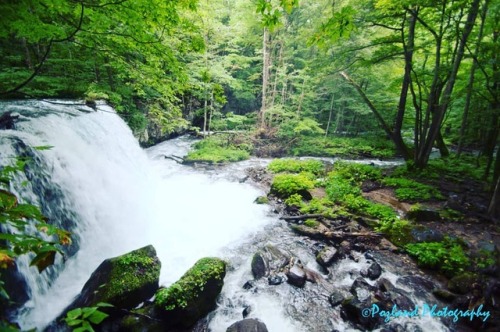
[(296, 276), (275, 280), (336, 298), (373, 272)]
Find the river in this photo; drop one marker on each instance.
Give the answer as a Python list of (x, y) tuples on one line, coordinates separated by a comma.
[(116, 197)]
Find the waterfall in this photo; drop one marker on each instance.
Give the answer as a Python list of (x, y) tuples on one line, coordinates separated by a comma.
[(118, 199), (115, 197)]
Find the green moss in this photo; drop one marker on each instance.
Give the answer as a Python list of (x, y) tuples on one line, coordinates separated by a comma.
[(130, 272), (262, 200), (187, 289), (285, 185), (296, 166), (311, 223)]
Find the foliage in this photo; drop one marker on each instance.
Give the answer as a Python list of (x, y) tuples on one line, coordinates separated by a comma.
[(296, 166), (351, 147), (82, 319), (398, 231), (188, 288), (311, 223), (356, 173), (294, 200), (285, 185), (411, 190), (218, 149), (447, 256), (20, 220)]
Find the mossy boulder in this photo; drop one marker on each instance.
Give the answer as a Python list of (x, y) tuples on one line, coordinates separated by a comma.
[(194, 295), (124, 281)]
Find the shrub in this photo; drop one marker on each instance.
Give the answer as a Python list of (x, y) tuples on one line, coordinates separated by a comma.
[(411, 190), (294, 200), (356, 173), (447, 256), (311, 223), (296, 166), (285, 185)]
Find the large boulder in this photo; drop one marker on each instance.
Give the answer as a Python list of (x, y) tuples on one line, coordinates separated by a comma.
[(124, 281), (193, 296), (248, 325), (269, 260)]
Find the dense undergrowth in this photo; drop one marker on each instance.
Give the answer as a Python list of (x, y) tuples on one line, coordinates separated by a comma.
[(344, 198)]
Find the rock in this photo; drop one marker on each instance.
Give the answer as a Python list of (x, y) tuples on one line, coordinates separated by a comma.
[(444, 295), (426, 235), (275, 280), (296, 276), (423, 214), (248, 325), (249, 285), (361, 289), (354, 310), (327, 256), (336, 298), (194, 295), (312, 276), (462, 283), (246, 311), (268, 259), (373, 272), (124, 281)]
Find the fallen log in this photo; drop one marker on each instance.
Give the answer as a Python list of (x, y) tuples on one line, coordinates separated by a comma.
[(329, 235), (302, 217), (175, 158)]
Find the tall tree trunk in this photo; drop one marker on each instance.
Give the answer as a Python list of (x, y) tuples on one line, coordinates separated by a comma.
[(440, 110), (265, 76), (329, 116), (408, 50), (470, 85)]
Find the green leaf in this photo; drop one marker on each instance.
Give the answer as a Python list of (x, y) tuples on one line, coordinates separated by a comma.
[(43, 147), (88, 311), (74, 314), (97, 317)]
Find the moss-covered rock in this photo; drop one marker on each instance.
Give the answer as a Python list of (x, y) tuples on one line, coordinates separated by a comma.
[(193, 296), (124, 281)]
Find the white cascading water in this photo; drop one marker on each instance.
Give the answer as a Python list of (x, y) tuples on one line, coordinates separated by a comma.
[(124, 198)]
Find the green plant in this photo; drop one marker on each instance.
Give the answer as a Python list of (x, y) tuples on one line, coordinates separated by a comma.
[(82, 319), (311, 223), (356, 173), (398, 231), (296, 166), (447, 256), (19, 218), (294, 200), (285, 185), (411, 190)]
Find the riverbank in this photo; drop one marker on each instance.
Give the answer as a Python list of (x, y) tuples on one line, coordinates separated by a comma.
[(437, 227)]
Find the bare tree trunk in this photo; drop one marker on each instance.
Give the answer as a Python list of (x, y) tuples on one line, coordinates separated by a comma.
[(265, 76), (440, 110), (470, 85), (329, 116)]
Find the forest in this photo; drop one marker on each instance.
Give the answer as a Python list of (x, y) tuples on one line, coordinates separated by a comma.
[(415, 79)]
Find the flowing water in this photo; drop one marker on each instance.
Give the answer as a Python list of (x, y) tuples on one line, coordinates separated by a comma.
[(116, 197)]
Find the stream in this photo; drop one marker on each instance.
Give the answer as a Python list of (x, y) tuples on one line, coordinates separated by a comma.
[(116, 197)]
